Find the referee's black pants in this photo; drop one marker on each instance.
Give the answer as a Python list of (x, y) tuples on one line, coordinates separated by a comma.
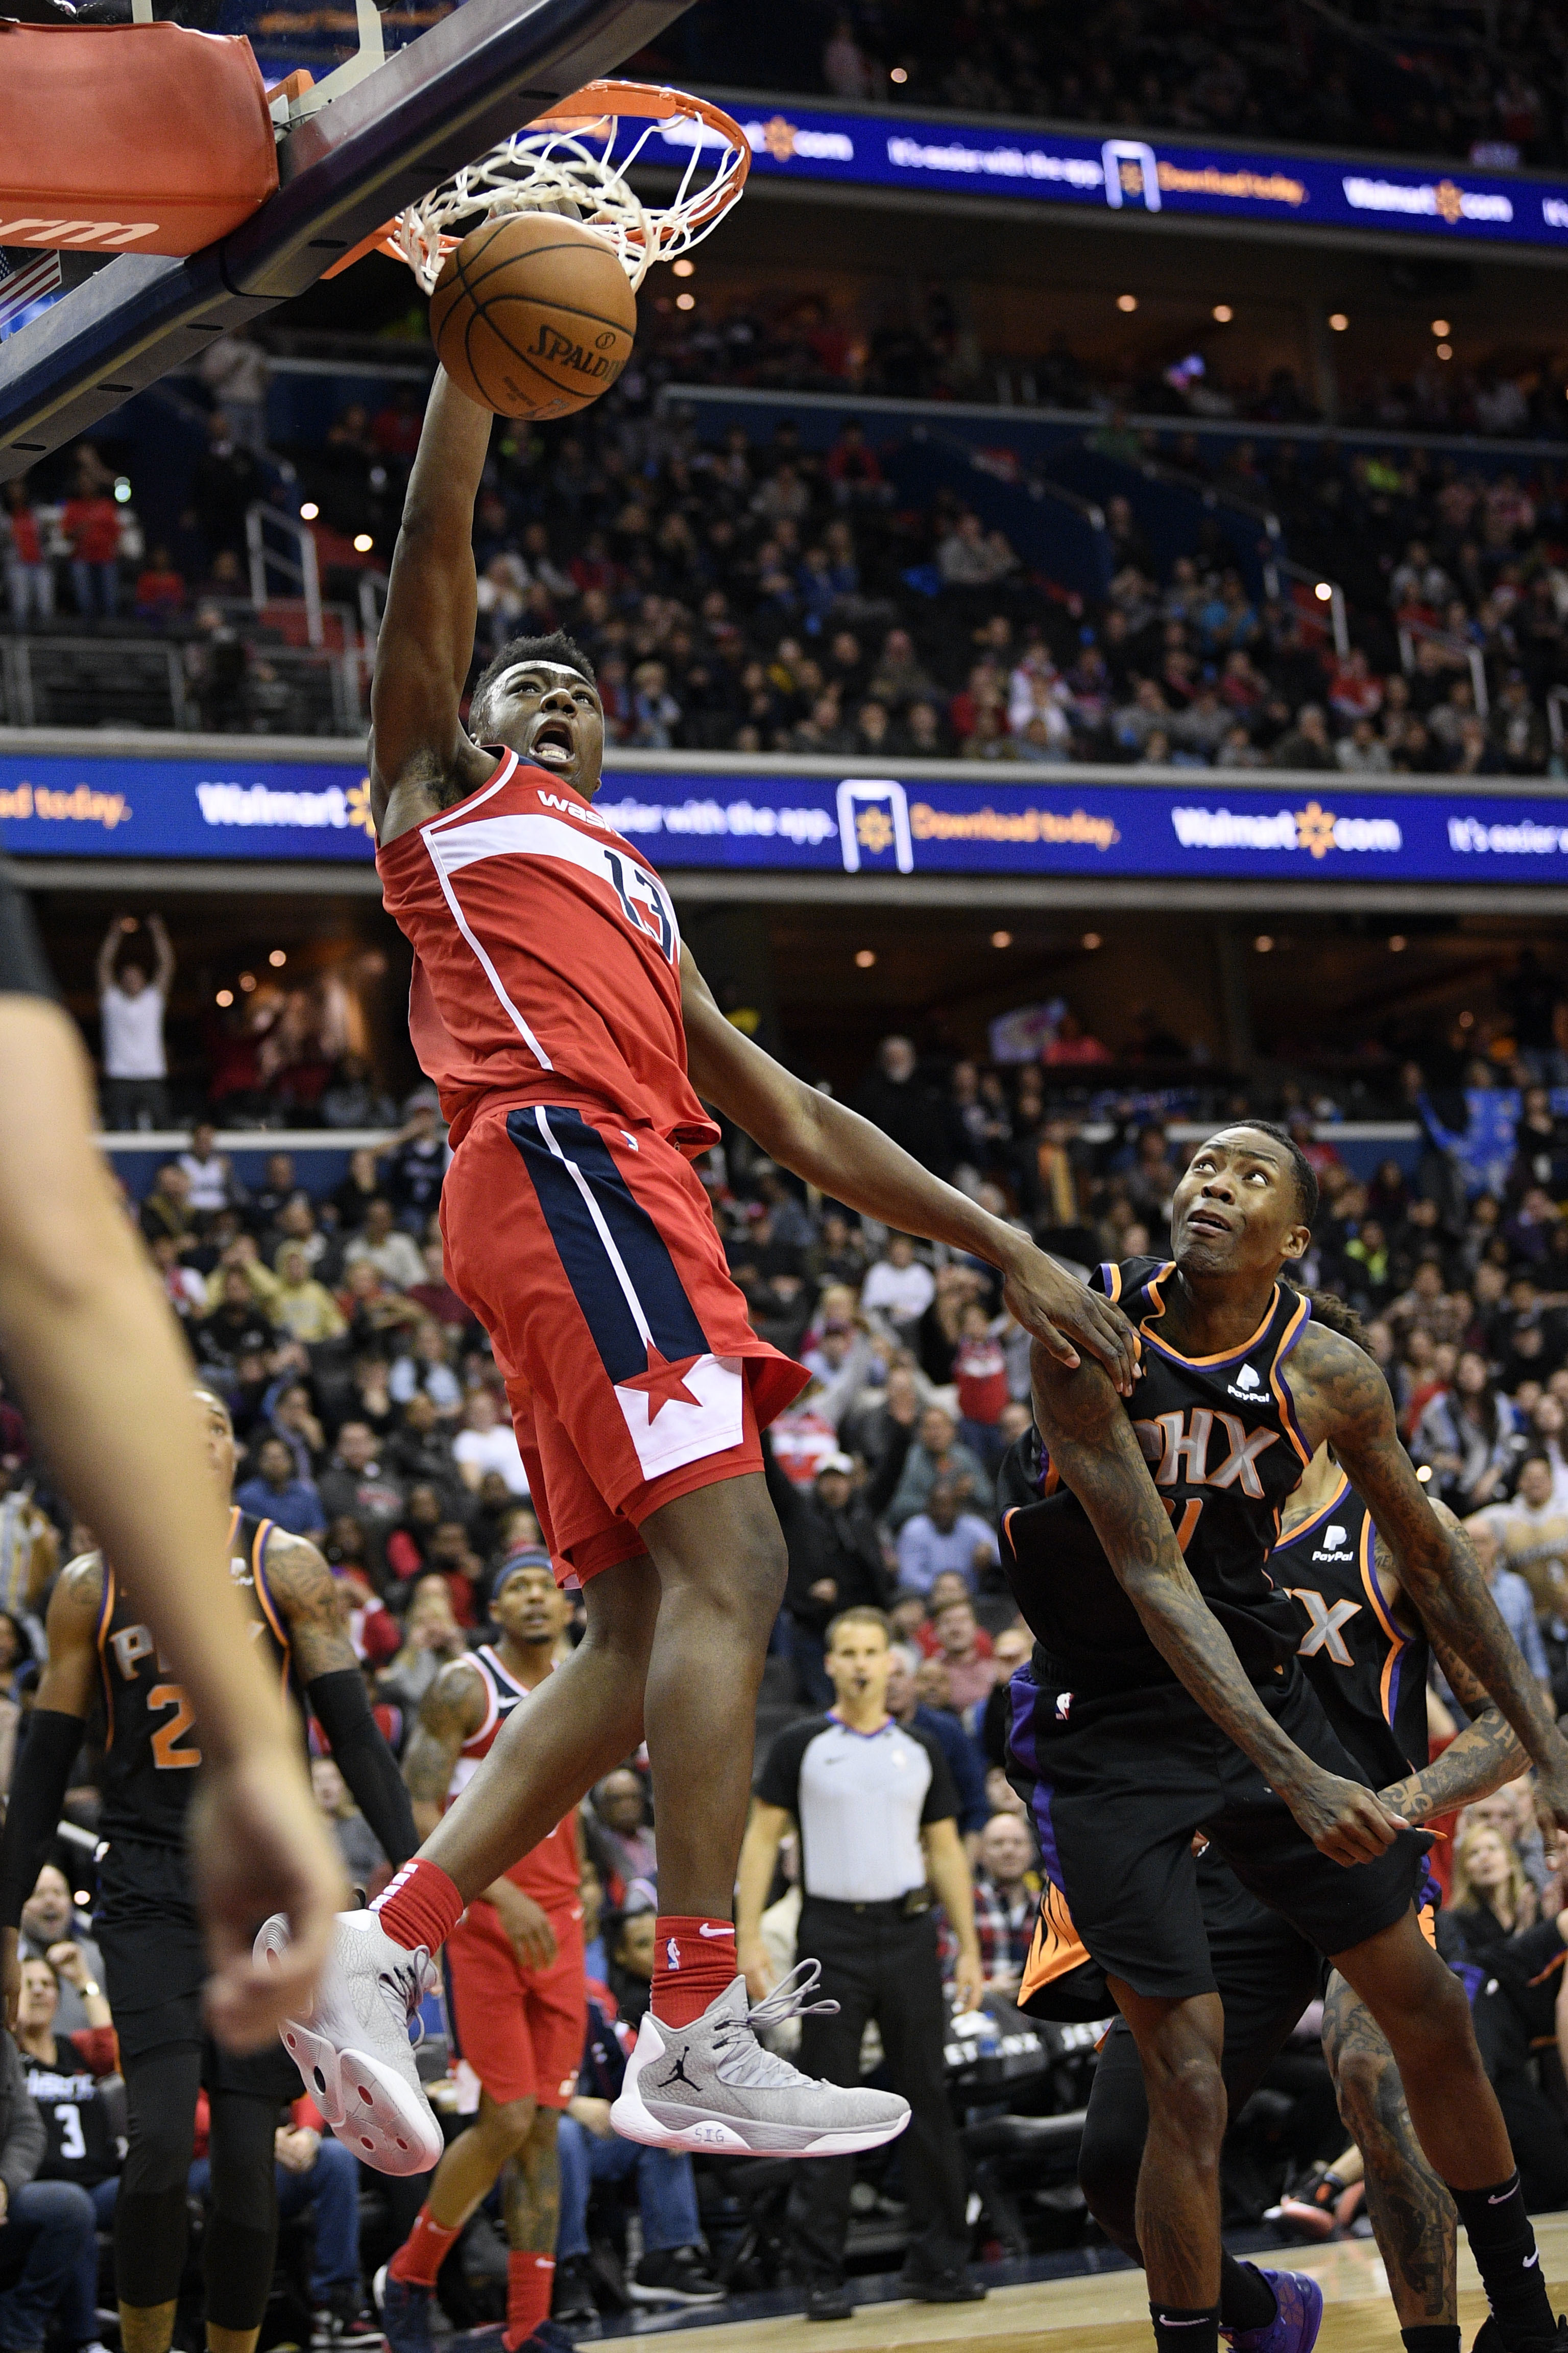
[(878, 1964)]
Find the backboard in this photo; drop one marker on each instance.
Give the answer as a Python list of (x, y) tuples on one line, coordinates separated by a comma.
[(457, 79)]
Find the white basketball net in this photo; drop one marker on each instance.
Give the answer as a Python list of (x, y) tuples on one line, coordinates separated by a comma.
[(572, 168)]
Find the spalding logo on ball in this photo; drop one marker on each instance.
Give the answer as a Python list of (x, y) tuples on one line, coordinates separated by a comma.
[(532, 316)]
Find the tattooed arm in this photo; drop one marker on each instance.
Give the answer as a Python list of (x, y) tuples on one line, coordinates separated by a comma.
[(1095, 1450), (1341, 1395), (1487, 1753), (308, 1599), (451, 1712)]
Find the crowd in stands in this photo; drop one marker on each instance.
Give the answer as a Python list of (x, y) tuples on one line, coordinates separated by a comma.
[(767, 596), (1489, 85)]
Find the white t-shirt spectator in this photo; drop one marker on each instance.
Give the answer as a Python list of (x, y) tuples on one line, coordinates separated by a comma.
[(903, 1293), (133, 1034), (493, 1450)]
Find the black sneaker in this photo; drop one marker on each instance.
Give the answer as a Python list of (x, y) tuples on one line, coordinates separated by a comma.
[(1493, 2338), (574, 2295), (341, 2327), (946, 2284), (828, 2300), (675, 2275)]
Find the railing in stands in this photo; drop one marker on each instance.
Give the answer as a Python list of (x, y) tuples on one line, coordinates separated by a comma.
[(1470, 654), (264, 527)]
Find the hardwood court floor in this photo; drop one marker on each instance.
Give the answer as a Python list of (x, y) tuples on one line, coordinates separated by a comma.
[(1108, 2315)]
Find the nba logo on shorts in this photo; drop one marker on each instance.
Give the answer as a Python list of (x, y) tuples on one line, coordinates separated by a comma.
[(671, 1954)]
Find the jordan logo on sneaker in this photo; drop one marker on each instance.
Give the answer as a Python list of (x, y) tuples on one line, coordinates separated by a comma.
[(678, 2075)]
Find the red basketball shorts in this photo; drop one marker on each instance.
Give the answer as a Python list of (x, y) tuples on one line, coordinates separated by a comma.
[(589, 1253), (522, 2030)]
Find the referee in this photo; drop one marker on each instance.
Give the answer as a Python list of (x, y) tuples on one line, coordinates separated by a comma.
[(879, 1845)]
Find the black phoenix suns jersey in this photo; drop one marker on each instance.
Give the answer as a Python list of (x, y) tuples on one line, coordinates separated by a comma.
[(151, 1747), (1221, 1439), (1370, 1674)]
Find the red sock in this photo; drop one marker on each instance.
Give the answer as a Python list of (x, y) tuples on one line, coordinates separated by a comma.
[(693, 1961), (529, 2280), (422, 2252), (420, 1907)]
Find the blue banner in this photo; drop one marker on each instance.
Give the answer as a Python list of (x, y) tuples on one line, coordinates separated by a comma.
[(1453, 203), (1187, 822)]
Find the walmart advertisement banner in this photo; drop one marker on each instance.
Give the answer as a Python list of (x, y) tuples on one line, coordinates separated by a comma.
[(1454, 203), (1189, 823)]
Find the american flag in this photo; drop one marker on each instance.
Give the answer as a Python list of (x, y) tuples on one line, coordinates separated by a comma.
[(24, 282)]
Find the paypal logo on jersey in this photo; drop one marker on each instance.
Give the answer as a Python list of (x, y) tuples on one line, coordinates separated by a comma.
[(1247, 1387), (1332, 1537)]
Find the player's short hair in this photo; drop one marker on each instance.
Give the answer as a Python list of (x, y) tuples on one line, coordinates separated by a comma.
[(861, 1615), (557, 648), (1301, 1168)]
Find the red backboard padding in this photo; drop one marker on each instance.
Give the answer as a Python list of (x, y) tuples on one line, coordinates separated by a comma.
[(129, 138)]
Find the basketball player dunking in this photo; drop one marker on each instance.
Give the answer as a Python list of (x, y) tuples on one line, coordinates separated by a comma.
[(1184, 1708), (515, 1975), (99, 1644), (573, 1042), (1365, 1653)]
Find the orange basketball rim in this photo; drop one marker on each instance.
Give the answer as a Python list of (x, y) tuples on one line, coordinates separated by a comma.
[(574, 159)]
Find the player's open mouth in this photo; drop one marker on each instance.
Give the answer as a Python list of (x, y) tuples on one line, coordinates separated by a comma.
[(1206, 1222), (552, 744)]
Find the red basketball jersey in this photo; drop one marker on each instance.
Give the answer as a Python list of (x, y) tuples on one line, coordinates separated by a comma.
[(548, 1872), (546, 960)]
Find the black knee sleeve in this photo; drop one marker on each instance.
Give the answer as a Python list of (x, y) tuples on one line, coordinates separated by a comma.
[(236, 2259), (150, 2231), (151, 2223), (242, 2229)]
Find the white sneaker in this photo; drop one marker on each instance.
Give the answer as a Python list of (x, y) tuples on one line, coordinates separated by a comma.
[(712, 2086), (352, 2050)]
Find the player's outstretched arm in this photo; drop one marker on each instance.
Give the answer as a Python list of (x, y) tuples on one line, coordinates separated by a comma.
[(834, 1149), (1094, 1447), (307, 1595), (427, 639), (107, 1384), (1341, 1395)]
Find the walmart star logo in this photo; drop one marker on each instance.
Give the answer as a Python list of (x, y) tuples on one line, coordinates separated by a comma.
[(1315, 830), (874, 829), (779, 137), (359, 807)]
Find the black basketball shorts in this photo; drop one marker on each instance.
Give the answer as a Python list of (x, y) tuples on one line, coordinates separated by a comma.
[(154, 1963), (1120, 1784)]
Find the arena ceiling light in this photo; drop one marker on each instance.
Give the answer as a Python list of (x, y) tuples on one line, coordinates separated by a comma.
[(865, 958), (1001, 939), (1397, 943), (1441, 328), (1337, 322), (684, 267), (1325, 592), (1445, 351), (1128, 302), (363, 542), (1264, 944), (1091, 940), (310, 510), (1224, 313)]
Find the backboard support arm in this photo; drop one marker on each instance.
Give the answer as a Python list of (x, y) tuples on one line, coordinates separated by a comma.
[(389, 138)]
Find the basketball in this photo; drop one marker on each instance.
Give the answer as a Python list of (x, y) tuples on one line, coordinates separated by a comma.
[(532, 316)]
